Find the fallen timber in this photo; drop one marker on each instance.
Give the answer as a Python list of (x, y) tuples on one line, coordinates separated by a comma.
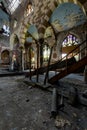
[(70, 69), (58, 65), (73, 96), (57, 102)]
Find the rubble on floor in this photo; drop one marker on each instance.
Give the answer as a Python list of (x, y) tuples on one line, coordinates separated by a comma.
[(25, 106)]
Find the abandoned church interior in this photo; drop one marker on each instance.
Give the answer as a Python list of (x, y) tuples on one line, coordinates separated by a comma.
[(43, 64)]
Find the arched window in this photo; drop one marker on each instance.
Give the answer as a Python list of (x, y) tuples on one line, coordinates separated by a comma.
[(5, 57), (46, 52), (70, 40), (32, 55), (69, 43)]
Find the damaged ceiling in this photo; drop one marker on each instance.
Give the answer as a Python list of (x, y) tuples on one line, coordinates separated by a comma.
[(61, 14), (66, 16)]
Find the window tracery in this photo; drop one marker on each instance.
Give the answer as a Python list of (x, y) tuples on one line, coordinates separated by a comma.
[(70, 40)]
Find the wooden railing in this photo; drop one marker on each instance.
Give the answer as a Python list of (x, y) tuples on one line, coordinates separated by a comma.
[(82, 61), (74, 52), (65, 62)]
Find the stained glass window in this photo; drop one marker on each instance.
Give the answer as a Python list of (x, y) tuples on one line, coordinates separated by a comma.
[(46, 52), (70, 40)]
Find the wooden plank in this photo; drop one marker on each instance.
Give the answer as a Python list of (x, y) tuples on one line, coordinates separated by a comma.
[(57, 65), (69, 70)]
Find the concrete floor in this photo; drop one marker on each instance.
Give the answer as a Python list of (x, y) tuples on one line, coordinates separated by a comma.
[(23, 107)]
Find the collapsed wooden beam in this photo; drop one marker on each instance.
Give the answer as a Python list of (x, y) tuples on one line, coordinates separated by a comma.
[(57, 65)]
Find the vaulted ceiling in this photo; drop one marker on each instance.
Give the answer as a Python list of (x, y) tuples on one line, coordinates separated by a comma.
[(9, 6), (61, 14)]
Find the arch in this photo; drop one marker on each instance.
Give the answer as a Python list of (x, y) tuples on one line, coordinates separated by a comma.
[(16, 42), (41, 18), (5, 57), (23, 31), (41, 31), (72, 15), (70, 42), (46, 52), (16, 39), (49, 36), (32, 30)]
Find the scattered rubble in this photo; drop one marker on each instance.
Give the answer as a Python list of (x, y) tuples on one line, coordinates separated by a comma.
[(60, 122), (27, 106)]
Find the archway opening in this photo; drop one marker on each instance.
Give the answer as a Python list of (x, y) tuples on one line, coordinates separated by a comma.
[(46, 53), (5, 58), (69, 43)]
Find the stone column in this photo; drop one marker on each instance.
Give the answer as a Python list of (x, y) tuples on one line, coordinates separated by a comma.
[(38, 59), (0, 52), (11, 64), (27, 60), (21, 58), (85, 71), (23, 53), (41, 41), (59, 49)]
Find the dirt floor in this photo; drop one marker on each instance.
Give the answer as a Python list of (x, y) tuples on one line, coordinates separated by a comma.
[(27, 107)]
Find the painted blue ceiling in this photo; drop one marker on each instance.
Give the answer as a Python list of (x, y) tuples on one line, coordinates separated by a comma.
[(33, 31), (29, 40), (66, 16), (3, 15), (4, 18)]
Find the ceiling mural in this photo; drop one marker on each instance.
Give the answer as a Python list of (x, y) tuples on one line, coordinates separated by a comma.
[(49, 36), (66, 16), (29, 39), (32, 30), (3, 15), (48, 32)]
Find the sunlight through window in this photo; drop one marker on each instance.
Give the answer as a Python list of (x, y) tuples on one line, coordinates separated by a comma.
[(13, 5)]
